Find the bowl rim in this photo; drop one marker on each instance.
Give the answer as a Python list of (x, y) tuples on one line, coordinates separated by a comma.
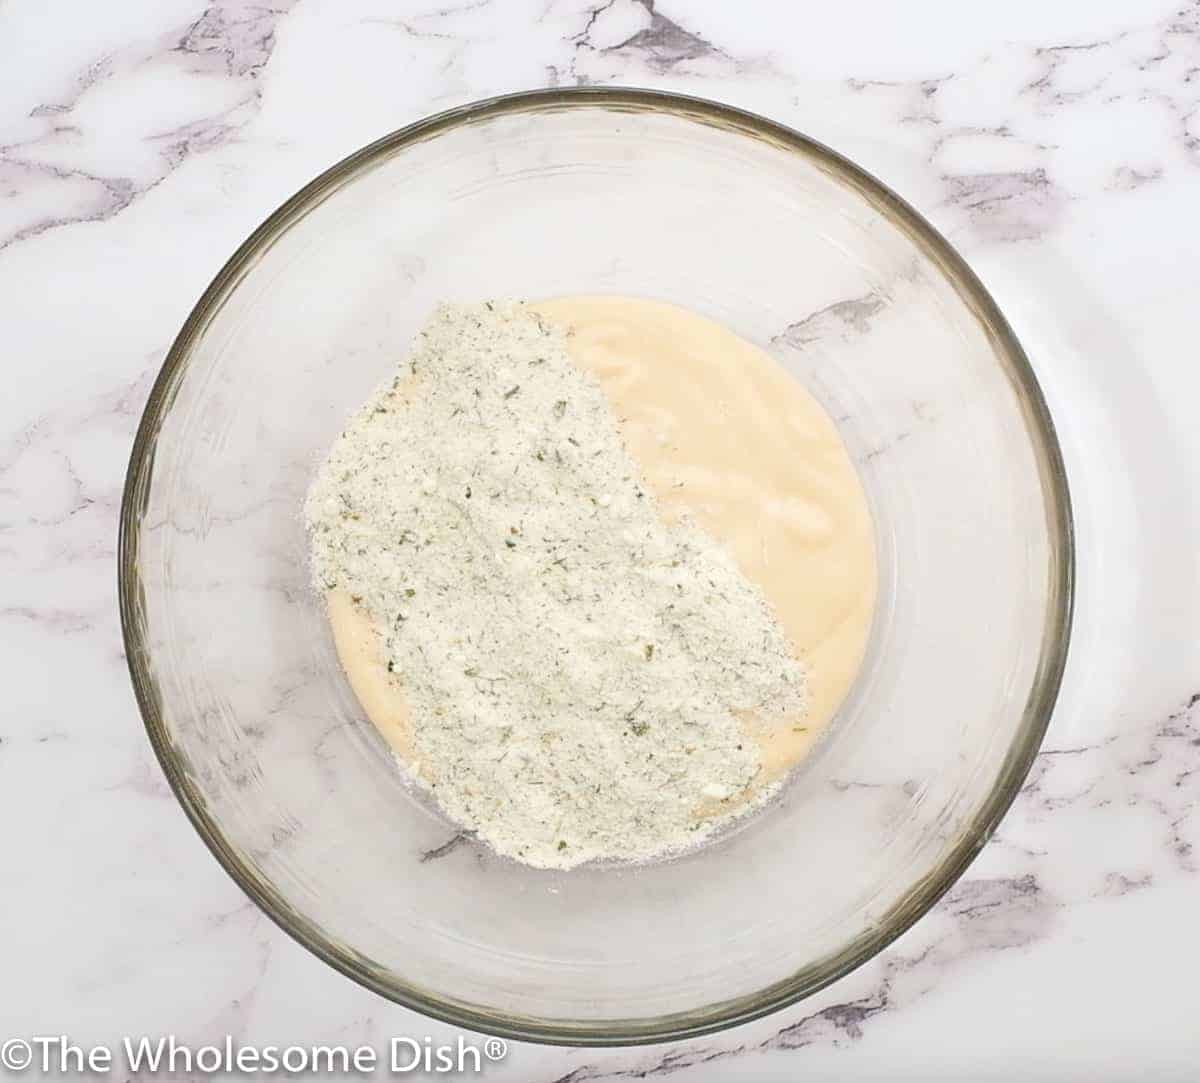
[(922, 895)]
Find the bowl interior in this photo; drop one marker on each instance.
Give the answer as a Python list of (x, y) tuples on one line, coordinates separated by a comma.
[(597, 192)]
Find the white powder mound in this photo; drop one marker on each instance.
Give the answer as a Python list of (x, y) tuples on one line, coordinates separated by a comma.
[(574, 667)]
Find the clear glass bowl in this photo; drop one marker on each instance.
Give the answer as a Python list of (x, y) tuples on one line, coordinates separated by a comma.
[(792, 247)]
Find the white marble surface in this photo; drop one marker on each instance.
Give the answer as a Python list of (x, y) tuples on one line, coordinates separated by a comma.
[(1057, 144)]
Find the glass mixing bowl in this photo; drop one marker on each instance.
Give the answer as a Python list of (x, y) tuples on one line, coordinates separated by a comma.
[(577, 192)]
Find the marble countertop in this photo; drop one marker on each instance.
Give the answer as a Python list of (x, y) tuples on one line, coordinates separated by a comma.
[(1056, 144)]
